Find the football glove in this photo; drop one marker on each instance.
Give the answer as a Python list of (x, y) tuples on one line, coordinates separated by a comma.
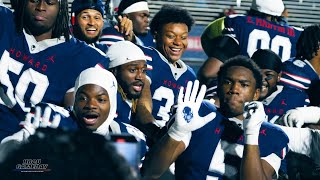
[(187, 118), (299, 116), (253, 115)]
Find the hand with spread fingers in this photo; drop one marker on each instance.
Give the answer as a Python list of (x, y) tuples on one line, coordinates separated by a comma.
[(187, 118)]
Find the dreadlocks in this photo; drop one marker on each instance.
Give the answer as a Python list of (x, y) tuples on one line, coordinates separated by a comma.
[(61, 25), (308, 43)]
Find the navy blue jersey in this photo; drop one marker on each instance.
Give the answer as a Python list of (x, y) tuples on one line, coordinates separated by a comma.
[(123, 110), (7, 29), (6, 16), (280, 101), (9, 122), (166, 81), (33, 72), (298, 74), (146, 40), (103, 47), (254, 33), (212, 89), (110, 35), (216, 149)]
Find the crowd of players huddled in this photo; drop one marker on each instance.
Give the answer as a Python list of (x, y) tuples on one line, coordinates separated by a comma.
[(69, 85)]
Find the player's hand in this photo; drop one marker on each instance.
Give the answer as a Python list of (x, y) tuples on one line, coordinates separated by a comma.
[(254, 115), (125, 27), (299, 116), (187, 118), (33, 121), (39, 119)]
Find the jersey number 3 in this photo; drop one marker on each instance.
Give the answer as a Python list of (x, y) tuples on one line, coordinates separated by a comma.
[(160, 94)]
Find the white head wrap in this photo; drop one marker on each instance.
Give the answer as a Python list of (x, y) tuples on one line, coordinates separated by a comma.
[(107, 81)]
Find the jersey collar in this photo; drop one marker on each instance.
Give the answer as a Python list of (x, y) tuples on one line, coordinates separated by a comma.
[(36, 47)]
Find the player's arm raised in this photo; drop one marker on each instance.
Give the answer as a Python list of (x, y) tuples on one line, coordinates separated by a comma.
[(143, 118), (252, 166), (187, 119)]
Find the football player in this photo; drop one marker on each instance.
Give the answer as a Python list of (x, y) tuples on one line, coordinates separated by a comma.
[(88, 22), (257, 30), (277, 99), (39, 61), (94, 108), (170, 27), (138, 12), (303, 71), (129, 67), (232, 142)]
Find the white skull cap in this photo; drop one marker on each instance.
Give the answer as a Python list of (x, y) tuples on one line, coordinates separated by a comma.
[(105, 79), (97, 76), (123, 52)]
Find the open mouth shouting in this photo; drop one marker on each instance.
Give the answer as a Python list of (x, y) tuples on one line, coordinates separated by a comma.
[(90, 118)]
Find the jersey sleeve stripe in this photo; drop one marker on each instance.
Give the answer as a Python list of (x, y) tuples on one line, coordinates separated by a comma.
[(298, 78), (293, 83)]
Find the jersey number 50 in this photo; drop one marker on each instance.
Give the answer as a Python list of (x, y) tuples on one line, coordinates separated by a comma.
[(17, 94)]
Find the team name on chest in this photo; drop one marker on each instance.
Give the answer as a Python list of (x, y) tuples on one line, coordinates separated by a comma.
[(173, 84), (39, 64)]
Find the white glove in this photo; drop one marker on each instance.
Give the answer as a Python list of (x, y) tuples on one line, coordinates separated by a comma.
[(254, 115), (31, 122), (187, 118), (302, 115)]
